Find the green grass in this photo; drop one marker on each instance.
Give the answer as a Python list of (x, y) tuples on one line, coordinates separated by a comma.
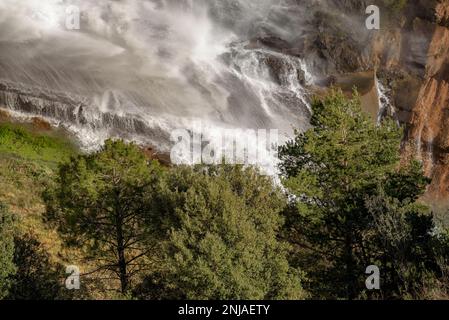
[(29, 159), (45, 148)]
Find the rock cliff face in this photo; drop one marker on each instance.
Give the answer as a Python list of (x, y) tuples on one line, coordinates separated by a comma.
[(413, 60), (429, 123), (411, 57)]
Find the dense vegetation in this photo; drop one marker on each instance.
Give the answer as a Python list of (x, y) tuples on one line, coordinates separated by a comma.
[(31, 252), (141, 230), (357, 206)]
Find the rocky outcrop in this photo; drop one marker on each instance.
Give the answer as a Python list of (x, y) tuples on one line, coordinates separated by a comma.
[(411, 56), (442, 13), (429, 123), (413, 59)]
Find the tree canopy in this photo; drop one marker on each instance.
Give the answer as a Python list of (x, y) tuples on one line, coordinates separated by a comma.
[(222, 242), (346, 201), (353, 200), (98, 203)]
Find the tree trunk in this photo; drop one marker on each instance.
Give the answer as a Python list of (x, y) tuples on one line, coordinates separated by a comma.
[(123, 274), (350, 272), (122, 270)]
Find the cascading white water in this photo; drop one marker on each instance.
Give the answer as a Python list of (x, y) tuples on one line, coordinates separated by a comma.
[(143, 68), (385, 104)]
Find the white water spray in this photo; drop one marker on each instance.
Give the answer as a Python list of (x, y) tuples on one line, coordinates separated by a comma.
[(139, 69)]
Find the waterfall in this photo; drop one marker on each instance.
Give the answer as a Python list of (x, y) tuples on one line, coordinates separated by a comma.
[(386, 107), (139, 69)]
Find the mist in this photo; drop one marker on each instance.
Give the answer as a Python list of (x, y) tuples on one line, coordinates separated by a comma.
[(165, 63)]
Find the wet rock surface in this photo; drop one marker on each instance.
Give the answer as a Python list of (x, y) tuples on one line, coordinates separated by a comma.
[(44, 108)]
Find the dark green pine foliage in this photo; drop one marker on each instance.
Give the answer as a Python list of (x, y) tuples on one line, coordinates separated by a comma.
[(222, 224), (348, 188), (98, 204), (37, 277)]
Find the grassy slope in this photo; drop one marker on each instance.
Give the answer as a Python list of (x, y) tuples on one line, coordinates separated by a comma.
[(28, 160), (30, 144)]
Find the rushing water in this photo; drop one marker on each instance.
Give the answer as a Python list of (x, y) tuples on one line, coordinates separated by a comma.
[(139, 69), (385, 105)]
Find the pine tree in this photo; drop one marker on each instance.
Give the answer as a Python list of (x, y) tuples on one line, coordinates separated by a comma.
[(98, 204), (333, 169), (222, 240), (37, 277)]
